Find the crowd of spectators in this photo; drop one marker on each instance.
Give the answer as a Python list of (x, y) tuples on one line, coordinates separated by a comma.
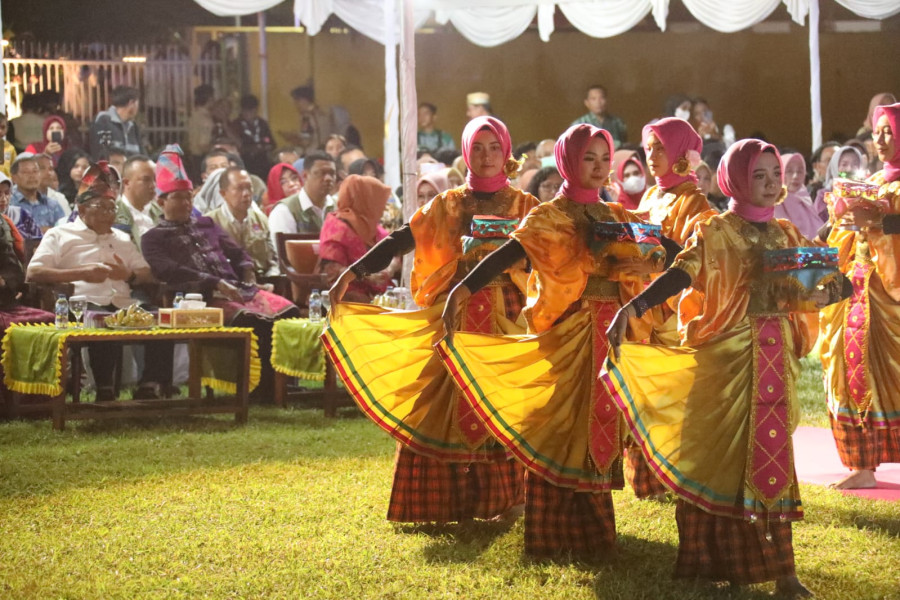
[(103, 213)]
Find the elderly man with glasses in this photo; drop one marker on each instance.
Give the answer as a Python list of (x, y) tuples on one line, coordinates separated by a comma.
[(103, 264)]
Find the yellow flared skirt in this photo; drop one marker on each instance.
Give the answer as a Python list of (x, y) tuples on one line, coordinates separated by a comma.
[(387, 361), (538, 395), (691, 411)]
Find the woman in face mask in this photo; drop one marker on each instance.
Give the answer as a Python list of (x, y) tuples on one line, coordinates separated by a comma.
[(631, 179)]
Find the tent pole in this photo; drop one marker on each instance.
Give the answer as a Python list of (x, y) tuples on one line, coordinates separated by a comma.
[(263, 67), (815, 76), (391, 99), (409, 119), (2, 77)]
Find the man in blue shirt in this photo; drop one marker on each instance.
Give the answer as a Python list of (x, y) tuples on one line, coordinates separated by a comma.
[(27, 177)]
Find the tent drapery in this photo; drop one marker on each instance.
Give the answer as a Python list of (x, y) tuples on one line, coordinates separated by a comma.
[(494, 22)]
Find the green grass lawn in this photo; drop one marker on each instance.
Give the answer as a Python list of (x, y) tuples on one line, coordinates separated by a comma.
[(292, 506)]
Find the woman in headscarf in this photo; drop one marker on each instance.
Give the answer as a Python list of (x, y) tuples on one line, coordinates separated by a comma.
[(448, 467), (430, 185), (70, 170), (631, 178), (53, 125), (351, 231), (847, 162), (861, 339), (283, 181), (714, 419), (676, 204), (545, 184), (537, 394), (798, 207), (882, 99)]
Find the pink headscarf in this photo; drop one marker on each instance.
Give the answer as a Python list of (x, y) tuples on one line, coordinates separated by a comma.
[(495, 126), (735, 173), (892, 112), (798, 207), (569, 152), (436, 179), (680, 140)]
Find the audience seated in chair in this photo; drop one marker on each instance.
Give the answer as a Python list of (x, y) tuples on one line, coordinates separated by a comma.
[(246, 225), (197, 255), (350, 231), (103, 264)]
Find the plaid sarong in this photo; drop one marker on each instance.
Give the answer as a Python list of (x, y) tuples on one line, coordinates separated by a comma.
[(560, 521), (862, 448), (427, 490), (726, 549), (639, 475)]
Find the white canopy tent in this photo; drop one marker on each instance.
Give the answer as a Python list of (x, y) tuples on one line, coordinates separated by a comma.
[(492, 22)]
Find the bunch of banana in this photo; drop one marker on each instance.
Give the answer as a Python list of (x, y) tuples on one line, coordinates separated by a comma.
[(133, 316)]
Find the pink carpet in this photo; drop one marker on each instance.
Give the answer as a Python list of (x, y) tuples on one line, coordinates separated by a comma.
[(817, 462)]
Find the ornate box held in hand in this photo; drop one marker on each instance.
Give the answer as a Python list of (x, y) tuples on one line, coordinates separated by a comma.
[(631, 242), (487, 233), (848, 194), (791, 275)]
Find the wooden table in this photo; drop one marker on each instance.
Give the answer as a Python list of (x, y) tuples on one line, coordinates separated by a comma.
[(239, 339)]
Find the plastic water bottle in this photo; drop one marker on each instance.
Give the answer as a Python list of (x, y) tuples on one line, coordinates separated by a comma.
[(326, 304), (176, 302), (62, 311), (315, 306)]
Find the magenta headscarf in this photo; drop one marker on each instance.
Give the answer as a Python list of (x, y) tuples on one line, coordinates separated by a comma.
[(569, 152), (892, 112), (680, 140), (496, 126), (735, 172)]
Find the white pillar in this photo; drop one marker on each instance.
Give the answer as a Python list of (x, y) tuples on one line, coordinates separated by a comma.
[(409, 120), (391, 101), (2, 75), (263, 67), (815, 77)]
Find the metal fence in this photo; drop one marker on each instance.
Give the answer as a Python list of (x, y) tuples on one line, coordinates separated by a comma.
[(84, 75)]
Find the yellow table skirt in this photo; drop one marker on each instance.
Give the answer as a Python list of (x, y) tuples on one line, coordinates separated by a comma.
[(32, 353)]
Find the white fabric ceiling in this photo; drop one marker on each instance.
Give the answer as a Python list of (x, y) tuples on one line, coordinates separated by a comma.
[(494, 22)]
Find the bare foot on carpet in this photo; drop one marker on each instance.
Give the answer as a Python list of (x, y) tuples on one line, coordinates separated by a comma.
[(790, 587), (856, 480)]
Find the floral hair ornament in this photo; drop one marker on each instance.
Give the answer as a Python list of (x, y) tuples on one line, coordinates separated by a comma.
[(687, 163), (513, 166)]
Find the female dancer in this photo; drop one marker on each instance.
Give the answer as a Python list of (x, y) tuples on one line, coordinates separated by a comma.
[(676, 204), (714, 419), (537, 394), (861, 337), (448, 468)]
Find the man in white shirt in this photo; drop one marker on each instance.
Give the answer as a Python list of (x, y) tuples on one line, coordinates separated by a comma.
[(136, 211), (304, 212), (102, 263)]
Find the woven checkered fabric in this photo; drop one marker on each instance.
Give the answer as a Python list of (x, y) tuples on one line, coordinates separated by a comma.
[(639, 475), (865, 448), (724, 549), (513, 301), (561, 522), (427, 490)]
